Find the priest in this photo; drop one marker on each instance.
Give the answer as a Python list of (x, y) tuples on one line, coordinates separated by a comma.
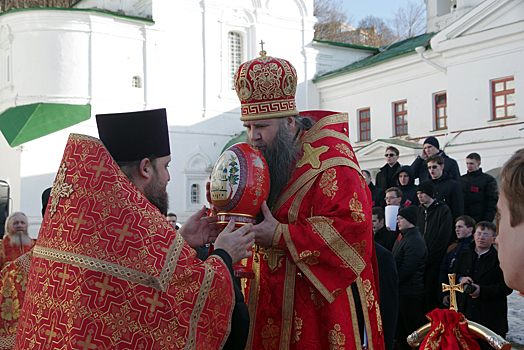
[(16, 240), (109, 271)]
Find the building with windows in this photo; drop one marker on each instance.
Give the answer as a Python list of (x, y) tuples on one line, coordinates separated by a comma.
[(459, 82)]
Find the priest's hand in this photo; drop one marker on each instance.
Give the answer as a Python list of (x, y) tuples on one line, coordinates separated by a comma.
[(199, 229), (236, 243), (265, 231)]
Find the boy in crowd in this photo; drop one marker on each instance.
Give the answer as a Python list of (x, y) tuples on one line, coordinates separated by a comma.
[(406, 183), (383, 236), (386, 176), (446, 189)]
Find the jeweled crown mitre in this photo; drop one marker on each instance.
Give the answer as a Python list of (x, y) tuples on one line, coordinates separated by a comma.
[(266, 88)]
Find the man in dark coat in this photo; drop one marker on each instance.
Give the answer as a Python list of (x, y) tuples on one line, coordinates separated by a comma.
[(479, 190), (388, 286), (383, 236), (406, 182), (464, 227), (431, 148), (479, 266), (435, 223), (446, 189), (385, 177), (377, 194), (410, 255)]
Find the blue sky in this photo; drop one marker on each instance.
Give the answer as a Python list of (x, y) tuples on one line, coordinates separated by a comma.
[(358, 9)]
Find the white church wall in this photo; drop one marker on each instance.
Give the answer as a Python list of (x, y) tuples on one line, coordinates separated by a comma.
[(10, 172), (136, 8)]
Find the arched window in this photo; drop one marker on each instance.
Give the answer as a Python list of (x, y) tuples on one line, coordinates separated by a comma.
[(136, 82), (235, 56), (195, 194)]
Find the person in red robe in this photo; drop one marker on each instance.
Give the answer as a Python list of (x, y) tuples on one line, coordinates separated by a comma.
[(108, 270), (316, 236), (16, 240)]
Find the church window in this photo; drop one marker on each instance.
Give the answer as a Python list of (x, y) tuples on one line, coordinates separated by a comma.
[(235, 56), (401, 118), (136, 82), (503, 94), (441, 111), (364, 124), (195, 194)]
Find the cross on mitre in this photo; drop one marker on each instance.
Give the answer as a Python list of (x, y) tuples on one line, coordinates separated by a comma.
[(262, 53), (452, 288)]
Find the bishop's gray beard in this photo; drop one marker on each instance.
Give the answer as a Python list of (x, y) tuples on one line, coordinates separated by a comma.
[(156, 194), (280, 159)]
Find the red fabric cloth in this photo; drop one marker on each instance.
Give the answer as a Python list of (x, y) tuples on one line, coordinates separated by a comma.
[(301, 296), (109, 271), (9, 253), (449, 331)]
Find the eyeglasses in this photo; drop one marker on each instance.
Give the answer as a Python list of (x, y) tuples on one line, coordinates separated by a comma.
[(390, 155), (484, 234), (391, 198), (433, 167)]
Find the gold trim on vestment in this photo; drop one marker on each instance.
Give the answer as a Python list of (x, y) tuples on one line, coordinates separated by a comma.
[(328, 120), (364, 302), (334, 240), (311, 173), (304, 268), (276, 236), (85, 138), (287, 305), (203, 293), (171, 261), (294, 209), (354, 318), (252, 300), (310, 138)]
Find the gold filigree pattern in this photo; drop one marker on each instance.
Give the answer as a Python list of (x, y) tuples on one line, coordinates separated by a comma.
[(270, 335), (328, 183), (61, 189), (309, 257), (336, 338), (297, 326), (266, 81), (312, 155), (344, 149), (359, 247), (370, 298), (355, 205), (317, 300)]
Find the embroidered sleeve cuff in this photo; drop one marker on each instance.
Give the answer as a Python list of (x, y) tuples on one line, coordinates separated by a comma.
[(277, 237)]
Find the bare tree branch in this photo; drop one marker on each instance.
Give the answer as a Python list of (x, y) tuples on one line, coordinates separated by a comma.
[(409, 21)]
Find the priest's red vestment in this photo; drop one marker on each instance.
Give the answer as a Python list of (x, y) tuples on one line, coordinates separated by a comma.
[(109, 271), (301, 296)]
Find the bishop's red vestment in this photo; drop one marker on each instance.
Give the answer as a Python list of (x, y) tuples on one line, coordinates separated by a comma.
[(301, 296), (109, 271)]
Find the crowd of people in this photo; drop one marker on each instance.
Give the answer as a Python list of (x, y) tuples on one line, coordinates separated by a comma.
[(444, 226)]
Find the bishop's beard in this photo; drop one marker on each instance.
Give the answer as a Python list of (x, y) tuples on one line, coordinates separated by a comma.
[(280, 158)]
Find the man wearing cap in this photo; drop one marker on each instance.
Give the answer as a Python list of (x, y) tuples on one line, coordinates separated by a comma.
[(377, 194), (435, 222), (410, 255), (316, 235), (108, 270), (431, 148)]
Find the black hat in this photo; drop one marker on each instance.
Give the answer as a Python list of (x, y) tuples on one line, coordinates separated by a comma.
[(410, 214), (426, 187), (432, 141), (45, 199), (135, 135)]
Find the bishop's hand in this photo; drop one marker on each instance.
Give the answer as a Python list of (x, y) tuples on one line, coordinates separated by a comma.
[(265, 231), (199, 230)]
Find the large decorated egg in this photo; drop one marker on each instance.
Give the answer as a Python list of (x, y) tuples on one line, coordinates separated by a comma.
[(239, 184)]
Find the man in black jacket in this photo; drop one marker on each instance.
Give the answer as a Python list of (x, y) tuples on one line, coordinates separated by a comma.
[(435, 223), (479, 190), (406, 182), (385, 177), (410, 255), (446, 189), (377, 194), (383, 236), (479, 266), (431, 148)]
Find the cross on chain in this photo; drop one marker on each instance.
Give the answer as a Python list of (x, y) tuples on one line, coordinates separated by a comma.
[(64, 275), (50, 333), (87, 344), (60, 189), (123, 232), (100, 168), (79, 221), (452, 288), (104, 286), (262, 53), (154, 302)]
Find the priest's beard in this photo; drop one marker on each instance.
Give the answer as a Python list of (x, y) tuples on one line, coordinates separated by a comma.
[(17, 238), (156, 193), (280, 157)]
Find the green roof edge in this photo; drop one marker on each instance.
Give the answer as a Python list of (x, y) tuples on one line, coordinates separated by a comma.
[(352, 46), (409, 144), (101, 12)]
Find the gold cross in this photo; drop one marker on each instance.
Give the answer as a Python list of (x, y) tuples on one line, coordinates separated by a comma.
[(312, 155), (64, 275), (61, 189), (123, 232), (104, 286), (79, 221), (87, 344), (154, 302), (262, 53), (100, 168), (50, 333), (271, 255), (452, 288)]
